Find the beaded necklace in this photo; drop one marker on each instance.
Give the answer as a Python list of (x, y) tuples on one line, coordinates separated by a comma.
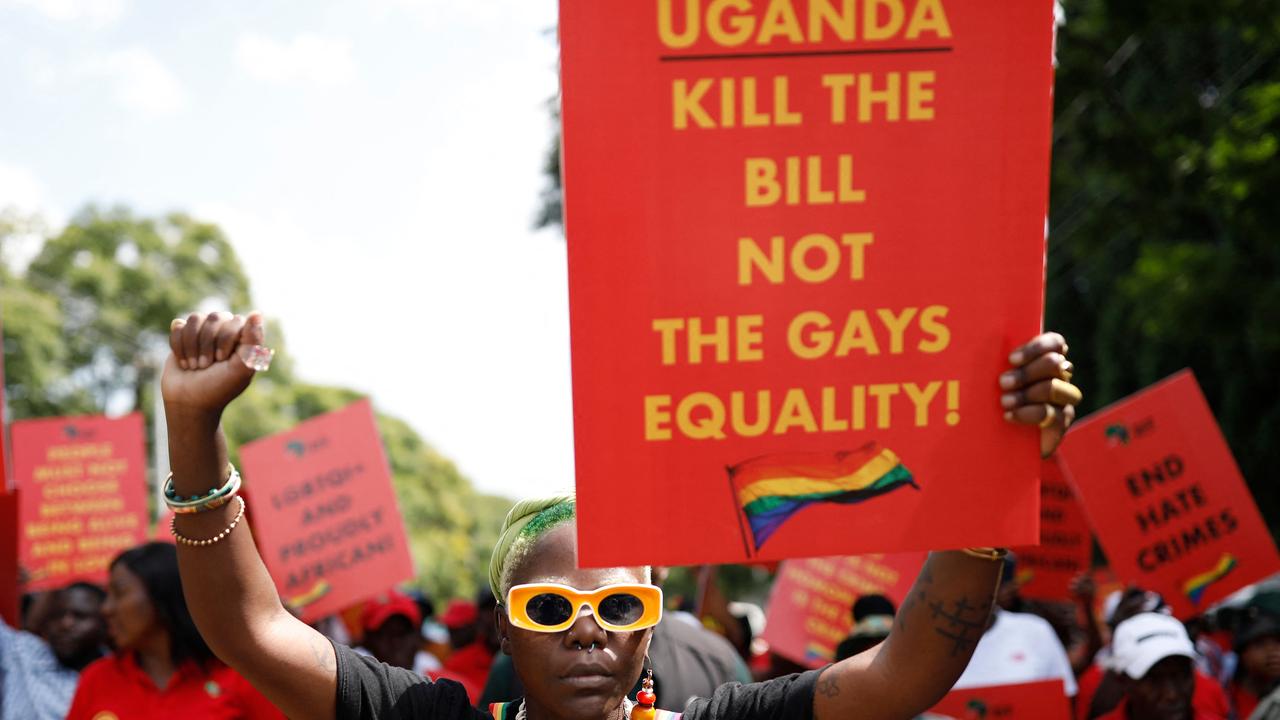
[(522, 714)]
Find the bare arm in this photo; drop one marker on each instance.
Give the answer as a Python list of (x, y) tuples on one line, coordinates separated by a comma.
[(950, 604), (231, 596)]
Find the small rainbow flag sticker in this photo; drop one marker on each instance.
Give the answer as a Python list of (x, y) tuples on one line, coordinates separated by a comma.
[(772, 488), (1195, 587)]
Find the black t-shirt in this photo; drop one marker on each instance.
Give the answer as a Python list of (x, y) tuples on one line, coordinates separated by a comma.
[(371, 690)]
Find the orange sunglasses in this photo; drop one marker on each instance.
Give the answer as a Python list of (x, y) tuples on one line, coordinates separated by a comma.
[(551, 607)]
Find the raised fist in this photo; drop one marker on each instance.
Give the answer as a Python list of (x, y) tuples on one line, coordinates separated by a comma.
[(209, 365)]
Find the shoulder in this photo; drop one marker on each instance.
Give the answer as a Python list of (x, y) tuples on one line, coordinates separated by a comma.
[(789, 697), (372, 690), (1030, 624), (104, 669)]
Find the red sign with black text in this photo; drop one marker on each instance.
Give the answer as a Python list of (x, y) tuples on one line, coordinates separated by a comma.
[(82, 485), (1045, 571), (810, 603), (1166, 498), (324, 511), (786, 321), (1042, 700)]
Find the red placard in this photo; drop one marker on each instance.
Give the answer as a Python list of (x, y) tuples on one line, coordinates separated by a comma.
[(325, 513), (83, 483), (1166, 498), (809, 605), (1042, 700), (782, 219), (9, 558), (1045, 571)]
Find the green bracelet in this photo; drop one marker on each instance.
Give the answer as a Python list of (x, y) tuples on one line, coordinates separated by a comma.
[(212, 500)]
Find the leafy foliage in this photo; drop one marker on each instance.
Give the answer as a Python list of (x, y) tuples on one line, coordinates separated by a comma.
[(85, 330), (1162, 244)]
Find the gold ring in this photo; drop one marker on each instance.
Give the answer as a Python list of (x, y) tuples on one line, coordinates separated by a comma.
[(1050, 414)]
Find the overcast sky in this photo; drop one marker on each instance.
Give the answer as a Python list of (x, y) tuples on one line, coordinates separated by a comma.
[(376, 165)]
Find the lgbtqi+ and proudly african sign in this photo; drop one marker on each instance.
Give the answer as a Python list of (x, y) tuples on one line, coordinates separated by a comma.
[(82, 496), (324, 512), (1166, 498), (787, 318)]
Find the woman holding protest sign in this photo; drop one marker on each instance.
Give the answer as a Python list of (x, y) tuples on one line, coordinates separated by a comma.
[(573, 665)]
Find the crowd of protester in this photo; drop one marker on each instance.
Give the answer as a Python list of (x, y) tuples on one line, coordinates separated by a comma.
[(132, 649)]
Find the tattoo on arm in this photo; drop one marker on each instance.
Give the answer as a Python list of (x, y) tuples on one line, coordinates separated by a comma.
[(324, 660), (963, 624), (827, 687)]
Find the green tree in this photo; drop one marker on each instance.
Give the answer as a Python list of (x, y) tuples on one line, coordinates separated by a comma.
[(85, 329), (1162, 227)]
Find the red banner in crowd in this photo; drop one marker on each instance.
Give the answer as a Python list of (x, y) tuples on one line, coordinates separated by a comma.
[(1043, 700), (809, 605), (1045, 571), (1166, 498), (781, 222), (83, 495), (324, 512), (9, 558)]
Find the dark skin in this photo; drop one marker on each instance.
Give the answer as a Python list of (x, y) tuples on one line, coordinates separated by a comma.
[(1164, 693), (580, 673), (235, 604), (394, 642), (1260, 661), (1111, 688), (76, 630), (134, 626)]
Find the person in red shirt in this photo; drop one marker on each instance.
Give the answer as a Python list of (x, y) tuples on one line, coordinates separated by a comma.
[(1154, 657), (162, 668), (471, 658)]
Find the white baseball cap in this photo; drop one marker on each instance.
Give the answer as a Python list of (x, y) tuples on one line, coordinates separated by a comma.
[(1144, 640)]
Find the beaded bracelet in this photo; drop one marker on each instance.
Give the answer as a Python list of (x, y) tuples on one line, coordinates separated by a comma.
[(184, 540), (212, 500)]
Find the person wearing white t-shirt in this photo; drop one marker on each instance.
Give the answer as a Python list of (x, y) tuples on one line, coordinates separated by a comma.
[(1018, 648)]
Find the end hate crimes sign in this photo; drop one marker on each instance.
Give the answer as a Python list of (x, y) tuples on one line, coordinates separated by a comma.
[(803, 238), (811, 601), (82, 485), (1166, 498), (324, 511), (1045, 571)]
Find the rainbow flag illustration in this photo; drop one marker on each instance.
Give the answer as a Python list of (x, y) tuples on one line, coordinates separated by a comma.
[(772, 488), (1194, 588), (816, 652)]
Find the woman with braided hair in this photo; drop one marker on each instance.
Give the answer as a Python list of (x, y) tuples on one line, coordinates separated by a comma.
[(577, 636)]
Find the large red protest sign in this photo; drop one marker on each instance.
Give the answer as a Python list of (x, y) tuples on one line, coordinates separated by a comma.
[(1042, 700), (324, 511), (809, 605), (9, 558), (1166, 498), (786, 318), (1045, 571), (83, 495)]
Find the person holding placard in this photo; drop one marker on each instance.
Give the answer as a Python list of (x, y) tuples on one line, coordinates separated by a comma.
[(573, 664)]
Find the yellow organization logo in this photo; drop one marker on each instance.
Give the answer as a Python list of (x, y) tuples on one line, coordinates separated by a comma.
[(106, 715)]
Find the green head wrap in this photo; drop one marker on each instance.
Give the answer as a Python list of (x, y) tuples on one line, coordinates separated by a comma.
[(525, 523)]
